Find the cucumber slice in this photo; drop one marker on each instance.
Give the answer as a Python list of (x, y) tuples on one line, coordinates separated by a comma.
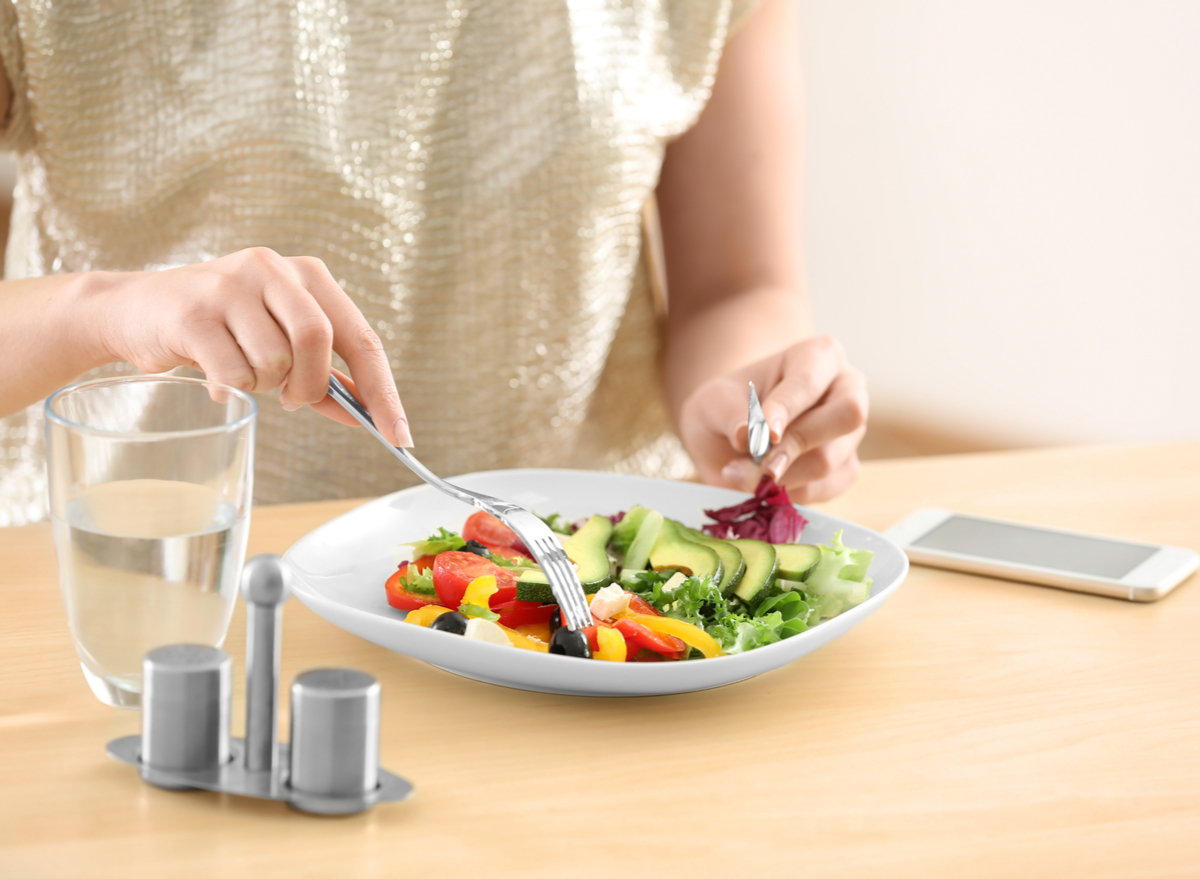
[(762, 567), (733, 566), (796, 559), (647, 536)]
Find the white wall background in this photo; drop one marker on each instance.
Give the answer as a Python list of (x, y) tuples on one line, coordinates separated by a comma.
[(1003, 210)]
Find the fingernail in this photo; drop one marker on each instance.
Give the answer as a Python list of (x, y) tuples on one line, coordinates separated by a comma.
[(776, 430), (777, 465), (291, 407), (403, 435)]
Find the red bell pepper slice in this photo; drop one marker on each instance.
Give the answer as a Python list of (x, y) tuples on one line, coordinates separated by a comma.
[(639, 637), (523, 613)]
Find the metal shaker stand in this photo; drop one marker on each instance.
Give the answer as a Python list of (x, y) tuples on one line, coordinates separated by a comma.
[(331, 766)]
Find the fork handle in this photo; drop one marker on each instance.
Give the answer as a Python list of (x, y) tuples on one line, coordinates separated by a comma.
[(359, 413)]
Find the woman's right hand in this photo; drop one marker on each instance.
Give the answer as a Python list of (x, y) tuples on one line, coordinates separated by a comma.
[(254, 320)]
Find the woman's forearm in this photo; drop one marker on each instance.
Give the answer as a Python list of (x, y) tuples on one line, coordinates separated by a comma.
[(728, 334), (49, 336)]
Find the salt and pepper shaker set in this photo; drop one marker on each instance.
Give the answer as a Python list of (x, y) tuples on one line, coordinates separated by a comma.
[(330, 765)]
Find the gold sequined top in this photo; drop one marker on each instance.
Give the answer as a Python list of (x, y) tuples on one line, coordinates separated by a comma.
[(472, 173)]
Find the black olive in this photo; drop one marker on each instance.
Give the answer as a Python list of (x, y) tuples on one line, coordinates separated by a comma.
[(454, 623), (476, 547), (570, 642), (556, 620)]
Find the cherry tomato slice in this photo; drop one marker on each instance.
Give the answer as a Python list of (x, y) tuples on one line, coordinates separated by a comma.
[(454, 571), (638, 636), (424, 563), (400, 598), (523, 613), (490, 531)]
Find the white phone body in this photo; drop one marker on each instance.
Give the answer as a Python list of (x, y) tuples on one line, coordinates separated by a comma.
[(1047, 556)]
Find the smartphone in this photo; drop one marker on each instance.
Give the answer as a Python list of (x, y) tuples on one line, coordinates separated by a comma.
[(1047, 556)]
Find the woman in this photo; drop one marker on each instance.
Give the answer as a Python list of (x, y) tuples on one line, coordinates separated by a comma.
[(447, 193)]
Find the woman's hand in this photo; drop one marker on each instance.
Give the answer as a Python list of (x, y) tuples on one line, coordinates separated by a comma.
[(815, 405), (254, 320)]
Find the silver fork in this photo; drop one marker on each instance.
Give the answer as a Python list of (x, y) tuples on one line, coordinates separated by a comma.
[(534, 533), (758, 434)]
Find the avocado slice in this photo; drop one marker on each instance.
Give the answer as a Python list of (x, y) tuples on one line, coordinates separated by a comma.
[(733, 566), (587, 548), (673, 550), (762, 567), (796, 559)]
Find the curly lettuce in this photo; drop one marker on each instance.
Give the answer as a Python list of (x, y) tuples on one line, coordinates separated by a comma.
[(442, 541), (839, 580)]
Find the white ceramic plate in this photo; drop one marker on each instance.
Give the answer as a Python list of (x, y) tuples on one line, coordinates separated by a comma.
[(340, 569)]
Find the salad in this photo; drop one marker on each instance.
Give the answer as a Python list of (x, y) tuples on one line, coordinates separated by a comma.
[(658, 590)]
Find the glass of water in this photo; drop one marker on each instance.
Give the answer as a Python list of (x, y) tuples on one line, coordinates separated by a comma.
[(150, 485)]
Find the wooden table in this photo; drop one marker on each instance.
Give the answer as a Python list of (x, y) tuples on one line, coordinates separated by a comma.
[(972, 727)]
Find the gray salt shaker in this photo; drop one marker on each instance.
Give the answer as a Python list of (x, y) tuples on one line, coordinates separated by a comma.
[(334, 750), (187, 692)]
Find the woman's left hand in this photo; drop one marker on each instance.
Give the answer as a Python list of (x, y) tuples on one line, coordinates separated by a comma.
[(816, 406)]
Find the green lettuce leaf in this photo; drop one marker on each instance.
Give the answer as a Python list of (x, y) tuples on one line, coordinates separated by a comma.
[(419, 583), (792, 609), (839, 580), (559, 523), (443, 541), (474, 610)]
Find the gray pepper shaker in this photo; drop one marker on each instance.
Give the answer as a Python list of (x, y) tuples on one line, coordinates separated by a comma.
[(334, 749), (187, 693)]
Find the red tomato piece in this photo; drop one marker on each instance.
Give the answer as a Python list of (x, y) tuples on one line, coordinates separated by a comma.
[(523, 613), (490, 531), (454, 571), (400, 598), (638, 637), (424, 563)]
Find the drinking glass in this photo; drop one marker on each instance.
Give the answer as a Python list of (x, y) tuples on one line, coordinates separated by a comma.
[(150, 485)]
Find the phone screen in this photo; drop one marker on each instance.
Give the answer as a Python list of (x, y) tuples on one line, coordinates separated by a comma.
[(1022, 545)]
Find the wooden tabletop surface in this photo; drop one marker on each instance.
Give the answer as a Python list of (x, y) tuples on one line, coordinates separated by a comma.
[(971, 727)]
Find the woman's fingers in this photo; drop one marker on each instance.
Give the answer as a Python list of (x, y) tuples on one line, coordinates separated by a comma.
[(263, 344), (215, 352), (361, 348), (842, 411), (807, 370), (331, 409), (816, 467), (841, 478)]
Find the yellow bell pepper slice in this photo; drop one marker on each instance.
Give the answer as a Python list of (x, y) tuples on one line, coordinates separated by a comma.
[(423, 616), (524, 641), (691, 635), (611, 645), (479, 591)]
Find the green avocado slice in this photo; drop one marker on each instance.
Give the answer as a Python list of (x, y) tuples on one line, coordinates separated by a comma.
[(673, 550), (587, 548), (733, 566)]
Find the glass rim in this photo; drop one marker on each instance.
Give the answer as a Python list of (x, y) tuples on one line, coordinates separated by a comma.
[(63, 421)]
